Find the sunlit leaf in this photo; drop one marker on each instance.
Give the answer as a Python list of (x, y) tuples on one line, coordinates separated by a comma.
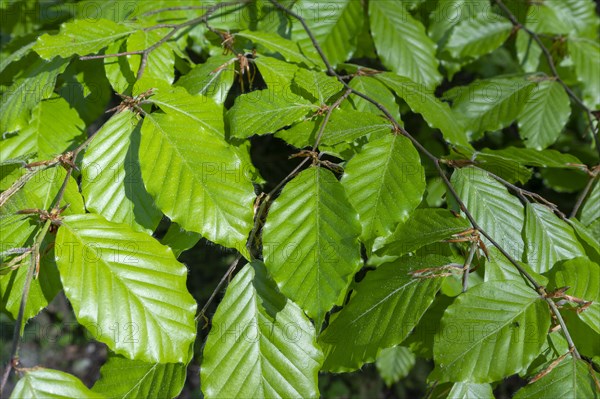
[(582, 276), (81, 37), (128, 379), (544, 115), (310, 241), (51, 384), (128, 290), (500, 214), (111, 178), (386, 305), (384, 183), (261, 344), (31, 86), (549, 239), (570, 379), (197, 180), (482, 324), (402, 43)]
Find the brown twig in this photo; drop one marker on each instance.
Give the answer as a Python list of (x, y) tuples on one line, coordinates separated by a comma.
[(330, 110)]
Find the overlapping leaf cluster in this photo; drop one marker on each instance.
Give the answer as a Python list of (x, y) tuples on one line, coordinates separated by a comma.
[(346, 266)]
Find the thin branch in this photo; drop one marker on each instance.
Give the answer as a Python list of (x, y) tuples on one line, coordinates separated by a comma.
[(179, 8), (582, 196), (467, 266), (522, 193), (589, 114), (436, 161), (35, 255), (225, 278), (327, 116), (17, 185)]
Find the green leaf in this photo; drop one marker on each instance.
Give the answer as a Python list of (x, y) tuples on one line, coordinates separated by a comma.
[(384, 183), (447, 14), (564, 17), (437, 114), (386, 305), (377, 91), (278, 75), (51, 384), (500, 214), (317, 85), (335, 25), (510, 163), (549, 239), (262, 112), (12, 169), (394, 364), (41, 190), (211, 79), (544, 115), (583, 278), (277, 44), (590, 210), (421, 338), (86, 89), (128, 379), (402, 43), (586, 339), (17, 232), (54, 128), (33, 85), (344, 126), (82, 36), (261, 344), (469, 390), (110, 274), (570, 379), (197, 180), (588, 239), (556, 345), (179, 240), (117, 69), (190, 109), (482, 324), (310, 241), (111, 179), (509, 170), (114, 10), (425, 226), (586, 57), (9, 57), (492, 104), (477, 35), (529, 157), (501, 269), (160, 63), (528, 52)]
